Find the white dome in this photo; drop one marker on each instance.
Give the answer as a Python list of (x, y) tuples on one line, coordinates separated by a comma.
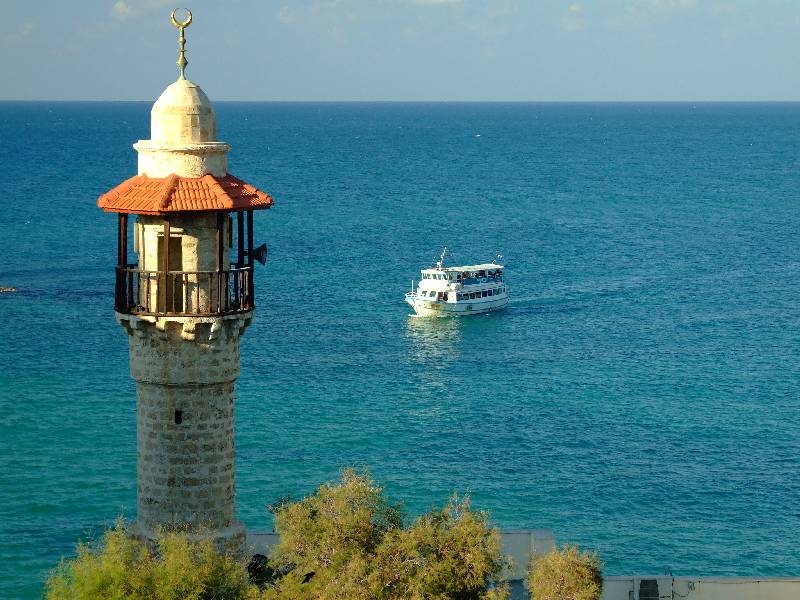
[(183, 114)]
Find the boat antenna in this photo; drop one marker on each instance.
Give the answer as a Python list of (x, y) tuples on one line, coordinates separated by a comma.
[(440, 262)]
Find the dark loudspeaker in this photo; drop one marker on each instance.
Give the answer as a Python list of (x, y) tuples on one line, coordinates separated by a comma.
[(260, 254)]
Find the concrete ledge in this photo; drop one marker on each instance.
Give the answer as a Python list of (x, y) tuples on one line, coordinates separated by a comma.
[(656, 587), (520, 544)]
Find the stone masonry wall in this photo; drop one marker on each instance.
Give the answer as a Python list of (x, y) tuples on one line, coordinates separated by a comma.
[(186, 351), (185, 470), (185, 370)]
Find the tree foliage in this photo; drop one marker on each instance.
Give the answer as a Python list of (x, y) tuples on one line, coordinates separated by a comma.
[(447, 553), (348, 541), (345, 541), (566, 574), (121, 567)]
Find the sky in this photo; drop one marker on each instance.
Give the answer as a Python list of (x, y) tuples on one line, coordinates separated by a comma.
[(440, 50)]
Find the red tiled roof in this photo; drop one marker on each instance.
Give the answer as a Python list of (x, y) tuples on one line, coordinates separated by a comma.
[(144, 195)]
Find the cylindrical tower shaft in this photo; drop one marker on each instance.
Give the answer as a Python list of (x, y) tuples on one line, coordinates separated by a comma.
[(185, 376)]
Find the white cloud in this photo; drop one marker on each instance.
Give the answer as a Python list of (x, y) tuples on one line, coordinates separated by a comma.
[(285, 15), (121, 10), (128, 9), (435, 2), (15, 36), (575, 19), (638, 13), (673, 4)]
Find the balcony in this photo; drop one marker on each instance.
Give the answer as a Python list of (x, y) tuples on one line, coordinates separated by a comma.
[(184, 293)]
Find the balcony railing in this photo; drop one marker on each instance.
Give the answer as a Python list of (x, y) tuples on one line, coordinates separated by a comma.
[(184, 293)]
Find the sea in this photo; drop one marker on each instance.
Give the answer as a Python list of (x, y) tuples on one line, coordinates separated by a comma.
[(639, 396)]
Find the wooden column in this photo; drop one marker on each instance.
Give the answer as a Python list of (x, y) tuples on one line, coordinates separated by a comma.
[(122, 240), (240, 239), (121, 291), (239, 284), (221, 305), (165, 247), (251, 289), (249, 238), (162, 291)]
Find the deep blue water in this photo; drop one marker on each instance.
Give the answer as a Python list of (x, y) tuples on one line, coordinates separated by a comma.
[(638, 396)]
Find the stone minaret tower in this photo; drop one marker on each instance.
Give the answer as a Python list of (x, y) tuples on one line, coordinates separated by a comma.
[(185, 306)]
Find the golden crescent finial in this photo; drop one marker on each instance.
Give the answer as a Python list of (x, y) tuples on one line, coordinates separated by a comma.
[(182, 62), (186, 23)]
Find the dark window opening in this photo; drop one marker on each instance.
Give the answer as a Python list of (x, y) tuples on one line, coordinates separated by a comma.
[(178, 417)]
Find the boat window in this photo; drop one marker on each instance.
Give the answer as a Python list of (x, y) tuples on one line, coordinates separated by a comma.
[(489, 293), (484, 293)]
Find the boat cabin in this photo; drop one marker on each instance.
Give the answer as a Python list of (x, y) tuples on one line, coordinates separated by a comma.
[(466, 275)]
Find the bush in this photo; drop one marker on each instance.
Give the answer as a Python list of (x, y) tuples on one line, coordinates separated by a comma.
[(566, 574), (327, 539), (345, 541), (448, 553), (121, 567)]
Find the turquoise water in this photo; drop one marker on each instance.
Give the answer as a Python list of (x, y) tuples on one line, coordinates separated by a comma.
[(639, 395)]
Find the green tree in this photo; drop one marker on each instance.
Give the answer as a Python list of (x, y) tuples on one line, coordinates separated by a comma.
[(345, 541), (122, 567), (566, 574), (328, 538), (447, 553)]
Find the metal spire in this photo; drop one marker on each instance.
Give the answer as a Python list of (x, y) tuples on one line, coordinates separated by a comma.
[(182, 62)]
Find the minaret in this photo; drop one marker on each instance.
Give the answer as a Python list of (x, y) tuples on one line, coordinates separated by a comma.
[(185, 306)]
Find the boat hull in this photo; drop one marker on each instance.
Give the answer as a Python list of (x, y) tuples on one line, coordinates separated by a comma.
[(432, 308)]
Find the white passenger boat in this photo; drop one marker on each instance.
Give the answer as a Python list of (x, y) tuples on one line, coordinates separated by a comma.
[(455, 291)]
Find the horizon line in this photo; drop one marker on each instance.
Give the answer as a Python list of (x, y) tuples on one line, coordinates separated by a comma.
[(384, 101)]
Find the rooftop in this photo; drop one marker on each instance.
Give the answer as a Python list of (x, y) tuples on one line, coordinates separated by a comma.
[(159, 195), (481, 267)]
